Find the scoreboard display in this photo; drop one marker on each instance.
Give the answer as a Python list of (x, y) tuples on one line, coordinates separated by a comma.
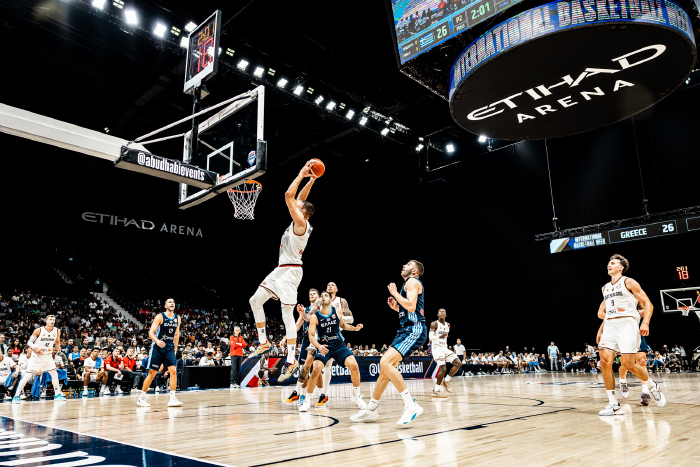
[(202, 52), (420, 26), (628, 234)]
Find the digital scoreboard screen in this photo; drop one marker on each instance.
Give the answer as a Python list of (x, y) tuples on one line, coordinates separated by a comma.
[(628, 234), (202, 52), (421, 25)]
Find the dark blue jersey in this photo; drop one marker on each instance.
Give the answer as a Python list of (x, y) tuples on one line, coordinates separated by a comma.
[(305, 325), (406, 318), (328, 329), (166, 331)]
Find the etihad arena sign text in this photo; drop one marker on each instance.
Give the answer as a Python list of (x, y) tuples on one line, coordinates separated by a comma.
[(569, 67)]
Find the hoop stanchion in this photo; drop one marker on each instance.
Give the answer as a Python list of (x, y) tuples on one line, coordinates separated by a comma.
[(243, 198)]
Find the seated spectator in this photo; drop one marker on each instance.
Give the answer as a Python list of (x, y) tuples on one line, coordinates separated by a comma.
[(74, 354), (673, 364), (659, 363), (113, 365), (569, 363), (207, 360), (92, 372), (7, 366)]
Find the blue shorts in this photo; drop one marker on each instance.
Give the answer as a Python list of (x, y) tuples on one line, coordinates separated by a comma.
[(164, 356), (302, 350), (339, 354), (644, 347), (410, 339)]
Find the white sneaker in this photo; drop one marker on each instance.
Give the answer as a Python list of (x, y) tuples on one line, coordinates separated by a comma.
[(656, 394), (358, 401), (105, 390), (611, 410), (157, 389), (365, 416), (410, 413), (7, 396), (85, 393), (624, 390), (23, 396), (233, 386), (43, 393), (119, 390), (142, 402), (305, 406), (173, 402)]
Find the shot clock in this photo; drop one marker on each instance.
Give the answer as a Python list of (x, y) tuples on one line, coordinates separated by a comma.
[(682, 272), (202, 52)]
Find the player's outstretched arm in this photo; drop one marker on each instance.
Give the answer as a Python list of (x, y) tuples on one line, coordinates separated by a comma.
[(304, 193), (347, 314), (412, 289), (634, 287), (300, 320), (312, 336), (176, 339), (32, 339), (290, 199), (393, 304), (432, 335), (347, 327)]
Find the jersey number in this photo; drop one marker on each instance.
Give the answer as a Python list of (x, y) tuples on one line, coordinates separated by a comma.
[(612, 302)]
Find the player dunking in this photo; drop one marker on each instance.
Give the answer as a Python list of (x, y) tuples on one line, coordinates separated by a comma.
[(622, 331), (439, 330), (165, 334), (328, 322), (42, 343), (412, 334), (339, 304), (282, 283)]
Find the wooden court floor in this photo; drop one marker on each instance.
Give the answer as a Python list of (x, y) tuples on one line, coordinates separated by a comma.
[(538, 419)]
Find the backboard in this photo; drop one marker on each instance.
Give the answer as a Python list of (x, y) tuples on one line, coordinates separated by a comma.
[(231, 144), (674, 300)]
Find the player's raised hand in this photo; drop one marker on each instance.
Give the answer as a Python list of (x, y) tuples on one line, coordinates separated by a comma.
[(300, 309), (306, 170), (323, 349), (392, 289), (358, 327), (644, 329), (393, 304)]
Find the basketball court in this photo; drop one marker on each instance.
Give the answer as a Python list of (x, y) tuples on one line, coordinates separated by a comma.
[(218, 148), (548, 419)]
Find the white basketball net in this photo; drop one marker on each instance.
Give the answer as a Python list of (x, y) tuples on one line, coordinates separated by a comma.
[(243, 198)]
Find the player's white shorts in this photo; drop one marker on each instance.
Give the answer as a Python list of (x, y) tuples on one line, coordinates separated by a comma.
[(3, 378), (621, 335), (443, 354), (284, 282), (40, 363)]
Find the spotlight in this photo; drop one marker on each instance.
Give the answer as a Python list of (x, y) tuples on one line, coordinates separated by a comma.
[(159, 30), (341, 106), (318, 100), (175, 31), (420, 138), (230, 52), (365, 110), (183, 42), (350, 114), (482, 138), (118, 3), (282, 83), (271, 72), (190, 26), (242, 65), (385, 131), (330, 106), (310, 90), (687, 81), (419, 147), (298, 90), (450, 148), (99, 4), (363, 120), (130, 17), (259, 72)]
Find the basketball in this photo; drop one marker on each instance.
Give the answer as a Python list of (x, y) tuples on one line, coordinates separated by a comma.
[(318, 167)]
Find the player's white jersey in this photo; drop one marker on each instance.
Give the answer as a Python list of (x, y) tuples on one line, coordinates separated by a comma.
[(337, 303), (6, 367), (619, 301), (293, 245), (441, 329), (46, 341)]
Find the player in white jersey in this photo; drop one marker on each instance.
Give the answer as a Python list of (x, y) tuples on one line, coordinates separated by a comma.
[(339, 304), (622, 331), (282, 283), (439, 330), (42, 342), (7, 365)]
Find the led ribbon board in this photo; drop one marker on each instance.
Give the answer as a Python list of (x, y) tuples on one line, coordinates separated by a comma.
[(569, 67)]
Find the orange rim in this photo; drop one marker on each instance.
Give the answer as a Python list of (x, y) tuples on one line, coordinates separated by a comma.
[(258, 187)]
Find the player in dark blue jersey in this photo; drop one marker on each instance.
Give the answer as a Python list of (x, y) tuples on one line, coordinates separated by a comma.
[(413, 332), (165, 333), (306, 351), (330, 344)]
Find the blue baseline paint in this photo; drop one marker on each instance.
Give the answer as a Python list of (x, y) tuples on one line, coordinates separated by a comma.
[(53, 446), (559, 16)]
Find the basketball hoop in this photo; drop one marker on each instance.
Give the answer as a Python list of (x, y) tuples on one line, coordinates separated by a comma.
[(243, 198), (685, 310)]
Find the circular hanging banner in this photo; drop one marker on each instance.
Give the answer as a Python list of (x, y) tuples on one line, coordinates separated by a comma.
[(569, 67)]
